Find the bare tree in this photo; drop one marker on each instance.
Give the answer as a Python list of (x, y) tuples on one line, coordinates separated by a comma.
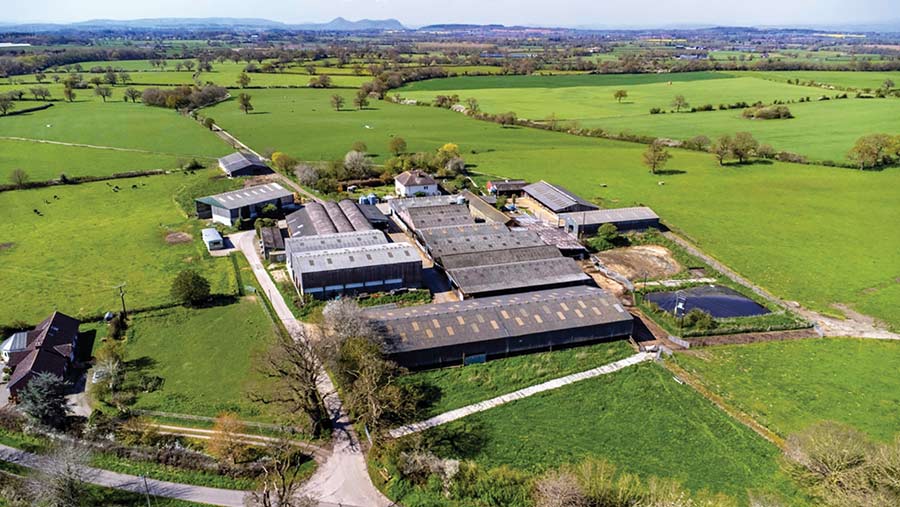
[(293, 364), (282, 478), (243, 80), (357, 164), (6, 104), (61, 478), (69, 94), (226, 443), (244, 103), (19, 178), (104, 92), (559, 489), (337, 102), (133, 94)]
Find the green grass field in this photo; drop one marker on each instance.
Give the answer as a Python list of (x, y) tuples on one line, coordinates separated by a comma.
[(43, 161), (813, 234), (638, 418), (463, 386), (791, 385), (858, 80), (92, 239), (821, 130), (117, 124), (205, 356)]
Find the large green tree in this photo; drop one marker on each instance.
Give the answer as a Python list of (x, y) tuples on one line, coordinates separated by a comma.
[(190, 288)]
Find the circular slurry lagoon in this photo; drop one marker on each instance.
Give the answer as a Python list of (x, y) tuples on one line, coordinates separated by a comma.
[(716, 300)]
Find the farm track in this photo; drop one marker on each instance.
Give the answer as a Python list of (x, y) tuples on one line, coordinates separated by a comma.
[(854, 325), (319, 453)]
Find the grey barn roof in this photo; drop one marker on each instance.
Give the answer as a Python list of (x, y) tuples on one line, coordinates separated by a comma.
[(554, 197), (426, 217), (355, 257), (327, 218), (400, 205), (247, 196), (334, 241), (458, 231), (504, 256), (611, 216), (507, 185), (516, 276), (238, 161), (440, 247), (444, 324)]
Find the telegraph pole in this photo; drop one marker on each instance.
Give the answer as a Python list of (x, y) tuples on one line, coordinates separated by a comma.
[(122, 296)]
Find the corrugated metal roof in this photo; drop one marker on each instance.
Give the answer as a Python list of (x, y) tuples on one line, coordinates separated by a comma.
[(400, 205), (271, 238), (501, 256), (356, 217), (433, 233), (334, 241), (247, 196), (518, 275), (440, 247), (473, 320), (239, 160), (337, 216), (554, 197), (426, 217), (611, 216), (355, 257)]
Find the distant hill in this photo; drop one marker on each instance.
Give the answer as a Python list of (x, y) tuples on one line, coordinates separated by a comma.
[(335, 25)]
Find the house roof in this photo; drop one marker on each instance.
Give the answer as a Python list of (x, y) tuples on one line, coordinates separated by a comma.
[(49, 346), (502, 256), (611, 216), (518, 275), (440, 247), (473, 320), (354, 257), (247, 196), (300, 244), (240, 160), (554, 197), (414, 178)]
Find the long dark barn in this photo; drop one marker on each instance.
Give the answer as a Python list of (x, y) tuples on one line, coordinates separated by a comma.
[(512, 277), (475, 330)]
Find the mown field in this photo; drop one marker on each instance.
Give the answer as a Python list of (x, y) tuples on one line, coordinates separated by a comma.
[(788, 386), (117, 124), (821, 130), (92, 239), (639, 419), (858, 80), (813, 234), (205, 356), (453, 388)]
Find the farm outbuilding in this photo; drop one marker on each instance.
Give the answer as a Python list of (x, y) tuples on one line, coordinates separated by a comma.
[(244, 204), (484, 242), (212, 239), (302, 244), (271, 244), (502, 256), (400, 207), (476, 330), (508, 188), (625, 219), (243, 164), (555, 198), (484, 210), (327, 218), (374, 268), (513, 277), (425, 217)]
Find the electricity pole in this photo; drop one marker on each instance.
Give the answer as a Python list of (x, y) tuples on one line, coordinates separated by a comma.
[(122, 296)]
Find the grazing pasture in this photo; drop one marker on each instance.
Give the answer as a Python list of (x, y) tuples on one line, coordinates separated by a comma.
[(858, 80), (119, 125), (44, 161), (205, 356), (788, 386), (808, 233), (639, 419), (821, 130), (89, 239), (458, 387)]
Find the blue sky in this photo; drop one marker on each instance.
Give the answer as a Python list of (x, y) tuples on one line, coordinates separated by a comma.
[(628, 13)]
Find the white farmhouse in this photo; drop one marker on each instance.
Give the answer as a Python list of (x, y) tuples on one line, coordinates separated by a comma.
[(415, 183)]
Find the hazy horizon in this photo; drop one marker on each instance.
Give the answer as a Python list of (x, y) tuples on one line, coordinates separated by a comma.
[(564, 13)]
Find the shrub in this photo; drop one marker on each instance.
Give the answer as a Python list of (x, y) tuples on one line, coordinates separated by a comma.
[(189, 288)]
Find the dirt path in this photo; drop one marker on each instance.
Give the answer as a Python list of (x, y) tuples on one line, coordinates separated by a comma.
[(855, 325), (319, 453)]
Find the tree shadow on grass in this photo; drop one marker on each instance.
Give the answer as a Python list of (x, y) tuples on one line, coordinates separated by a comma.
[(670, 172), (464, 439)]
